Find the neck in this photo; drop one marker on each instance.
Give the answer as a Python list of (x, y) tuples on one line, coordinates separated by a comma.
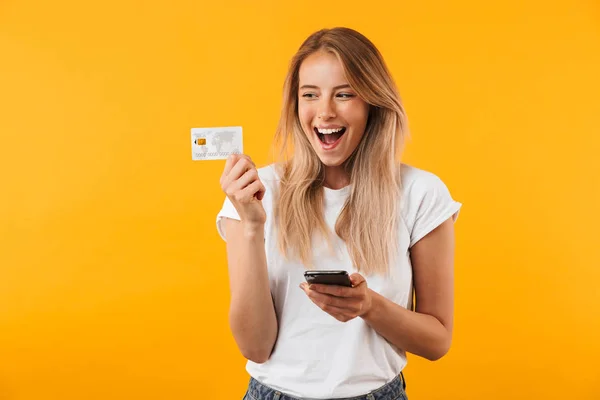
[(335, 177)]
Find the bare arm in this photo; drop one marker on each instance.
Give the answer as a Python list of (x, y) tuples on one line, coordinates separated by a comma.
[(426, 332), (251, 314)]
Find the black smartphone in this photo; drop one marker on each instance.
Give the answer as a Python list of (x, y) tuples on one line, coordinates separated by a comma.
[(328, 277)]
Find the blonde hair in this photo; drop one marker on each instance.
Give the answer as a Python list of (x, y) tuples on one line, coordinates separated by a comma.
[(369, 218)]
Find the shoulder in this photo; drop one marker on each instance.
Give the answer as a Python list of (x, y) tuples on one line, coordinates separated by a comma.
[(415, 181), (425, 201)]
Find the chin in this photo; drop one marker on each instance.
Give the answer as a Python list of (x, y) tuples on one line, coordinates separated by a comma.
[(329, 161)]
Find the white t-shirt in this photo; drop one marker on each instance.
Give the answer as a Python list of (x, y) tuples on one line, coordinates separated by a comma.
[(315, 355)]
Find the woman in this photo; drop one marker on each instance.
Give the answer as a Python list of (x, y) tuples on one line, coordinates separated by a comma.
[(337, 199)]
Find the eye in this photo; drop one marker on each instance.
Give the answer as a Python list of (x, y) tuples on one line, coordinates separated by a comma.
[(309, 95), (346, 95)]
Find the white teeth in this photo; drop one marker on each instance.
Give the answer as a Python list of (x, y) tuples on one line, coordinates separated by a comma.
[(329, 131)]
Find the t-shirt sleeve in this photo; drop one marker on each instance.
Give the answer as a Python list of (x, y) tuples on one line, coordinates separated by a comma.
[(428, 204), (227, 211)]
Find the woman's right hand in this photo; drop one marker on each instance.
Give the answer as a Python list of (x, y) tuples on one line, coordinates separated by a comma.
[(243, 187)]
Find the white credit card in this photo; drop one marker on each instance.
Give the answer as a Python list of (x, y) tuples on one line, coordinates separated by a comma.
[(216, 143)]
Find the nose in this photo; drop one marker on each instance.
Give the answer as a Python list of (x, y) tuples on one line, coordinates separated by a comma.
[(326, 109)]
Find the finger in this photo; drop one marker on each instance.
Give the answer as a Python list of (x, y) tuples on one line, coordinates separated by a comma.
[(231, 160), (247, 178), (334, 290), (249, 192), (327, 306), (357, 279), (261, 192), (343, 318), (338, 313), (241, 166), (247, 157), (339, 303)]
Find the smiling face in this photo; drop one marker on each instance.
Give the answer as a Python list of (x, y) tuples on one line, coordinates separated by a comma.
[(331, 113)]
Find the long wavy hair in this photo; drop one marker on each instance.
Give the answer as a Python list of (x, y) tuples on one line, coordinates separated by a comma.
[(369, 218)]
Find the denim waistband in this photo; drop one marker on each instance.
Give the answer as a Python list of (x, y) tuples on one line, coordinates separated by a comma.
[(393, 390)]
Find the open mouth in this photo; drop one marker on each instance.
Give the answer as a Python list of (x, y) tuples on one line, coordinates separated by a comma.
[(330, 136)]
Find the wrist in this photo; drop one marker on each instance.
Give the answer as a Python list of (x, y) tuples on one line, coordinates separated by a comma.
[(373, 307), (253, 229)]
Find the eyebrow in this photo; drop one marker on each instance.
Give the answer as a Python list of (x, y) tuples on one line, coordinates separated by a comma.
[(345, 86)]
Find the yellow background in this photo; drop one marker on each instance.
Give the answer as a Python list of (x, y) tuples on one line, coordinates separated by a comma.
[(113, 281)]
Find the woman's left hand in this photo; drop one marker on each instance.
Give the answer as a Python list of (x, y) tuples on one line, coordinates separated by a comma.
[(342, 303)]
